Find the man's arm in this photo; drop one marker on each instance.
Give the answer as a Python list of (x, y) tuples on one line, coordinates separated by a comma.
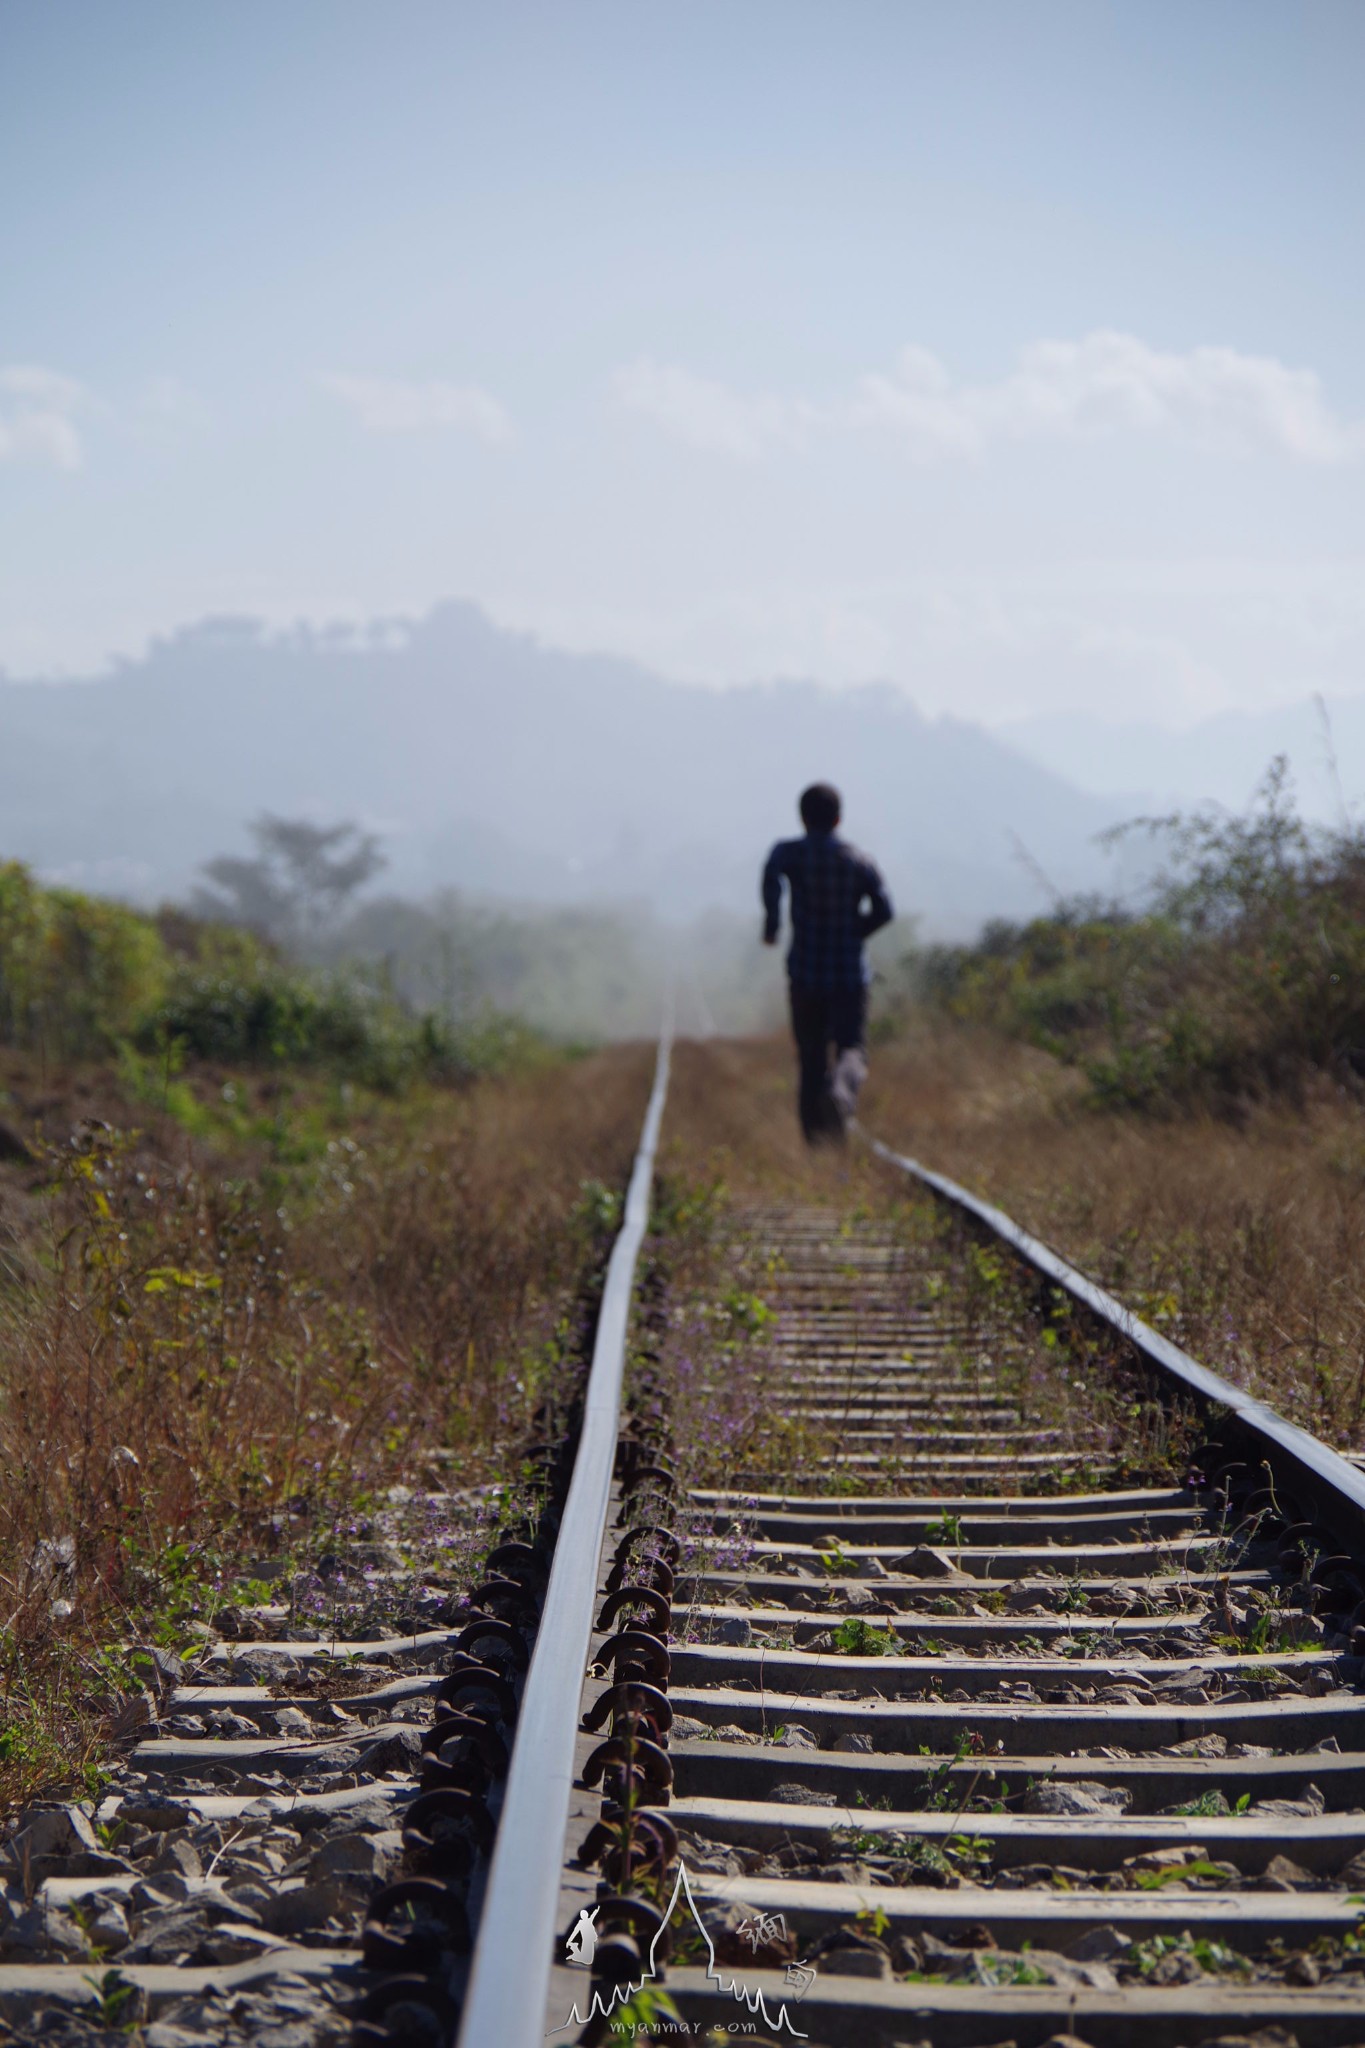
[(879, 911), (772, 896)]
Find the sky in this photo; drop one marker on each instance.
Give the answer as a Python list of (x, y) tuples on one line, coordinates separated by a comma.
[(1008, 352)]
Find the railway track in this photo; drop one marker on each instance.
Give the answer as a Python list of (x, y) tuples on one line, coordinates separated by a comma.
[(942, 1731), (1060, 1812)]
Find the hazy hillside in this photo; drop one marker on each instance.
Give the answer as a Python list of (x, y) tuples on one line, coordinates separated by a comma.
[(494, 764), (1219, 760)]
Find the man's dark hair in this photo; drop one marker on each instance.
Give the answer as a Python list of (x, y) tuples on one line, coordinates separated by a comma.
[(820, 807)]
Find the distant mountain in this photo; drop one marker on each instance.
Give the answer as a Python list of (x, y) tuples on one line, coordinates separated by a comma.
[(495, 764), (1220, 760)]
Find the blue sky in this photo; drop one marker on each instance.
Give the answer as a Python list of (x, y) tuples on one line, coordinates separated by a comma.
[(1013, 352)]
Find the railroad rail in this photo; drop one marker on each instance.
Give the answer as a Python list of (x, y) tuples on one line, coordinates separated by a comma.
[(836, 1835), (949, 1738)]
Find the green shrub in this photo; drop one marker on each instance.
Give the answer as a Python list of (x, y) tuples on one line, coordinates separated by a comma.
[(79, 978), (1244, 973), (76, 973)]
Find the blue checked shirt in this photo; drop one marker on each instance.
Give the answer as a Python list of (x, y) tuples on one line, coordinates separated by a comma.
[(830, 882)]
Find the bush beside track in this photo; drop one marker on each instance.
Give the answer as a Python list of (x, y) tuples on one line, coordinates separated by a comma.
[(1241, 978), (81, 976)]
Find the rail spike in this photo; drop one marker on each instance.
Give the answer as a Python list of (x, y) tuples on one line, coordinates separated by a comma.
[(656, 1605), (636, 1654), (631, 1696)]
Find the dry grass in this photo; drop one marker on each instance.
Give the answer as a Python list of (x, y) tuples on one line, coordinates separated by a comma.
[(217, 1350), (216, 1355), (1245, 1244), (732, 1130)]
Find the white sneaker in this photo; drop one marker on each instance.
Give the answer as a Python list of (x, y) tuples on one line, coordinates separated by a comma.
[(850, 1071)]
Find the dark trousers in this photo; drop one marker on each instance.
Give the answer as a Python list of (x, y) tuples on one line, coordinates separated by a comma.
[(821, 1018)]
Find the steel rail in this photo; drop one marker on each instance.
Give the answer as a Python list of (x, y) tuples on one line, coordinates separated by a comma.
[(509, 1980), (1333, 1487)]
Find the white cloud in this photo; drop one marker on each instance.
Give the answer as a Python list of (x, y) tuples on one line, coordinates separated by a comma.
[(387, 405), (1104, 384), (707, 415), (37, 408), (1107, 383)]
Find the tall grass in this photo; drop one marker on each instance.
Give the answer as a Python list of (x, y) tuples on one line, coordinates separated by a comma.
[(1242, 1239), (211, 1360)]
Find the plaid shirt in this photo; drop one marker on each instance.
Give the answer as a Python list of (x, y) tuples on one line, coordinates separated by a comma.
[(829, 882)]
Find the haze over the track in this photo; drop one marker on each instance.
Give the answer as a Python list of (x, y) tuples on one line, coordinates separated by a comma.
[(487, 762), (1009, 353)]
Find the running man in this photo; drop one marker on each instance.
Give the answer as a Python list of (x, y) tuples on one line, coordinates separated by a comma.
[(838, 899)]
